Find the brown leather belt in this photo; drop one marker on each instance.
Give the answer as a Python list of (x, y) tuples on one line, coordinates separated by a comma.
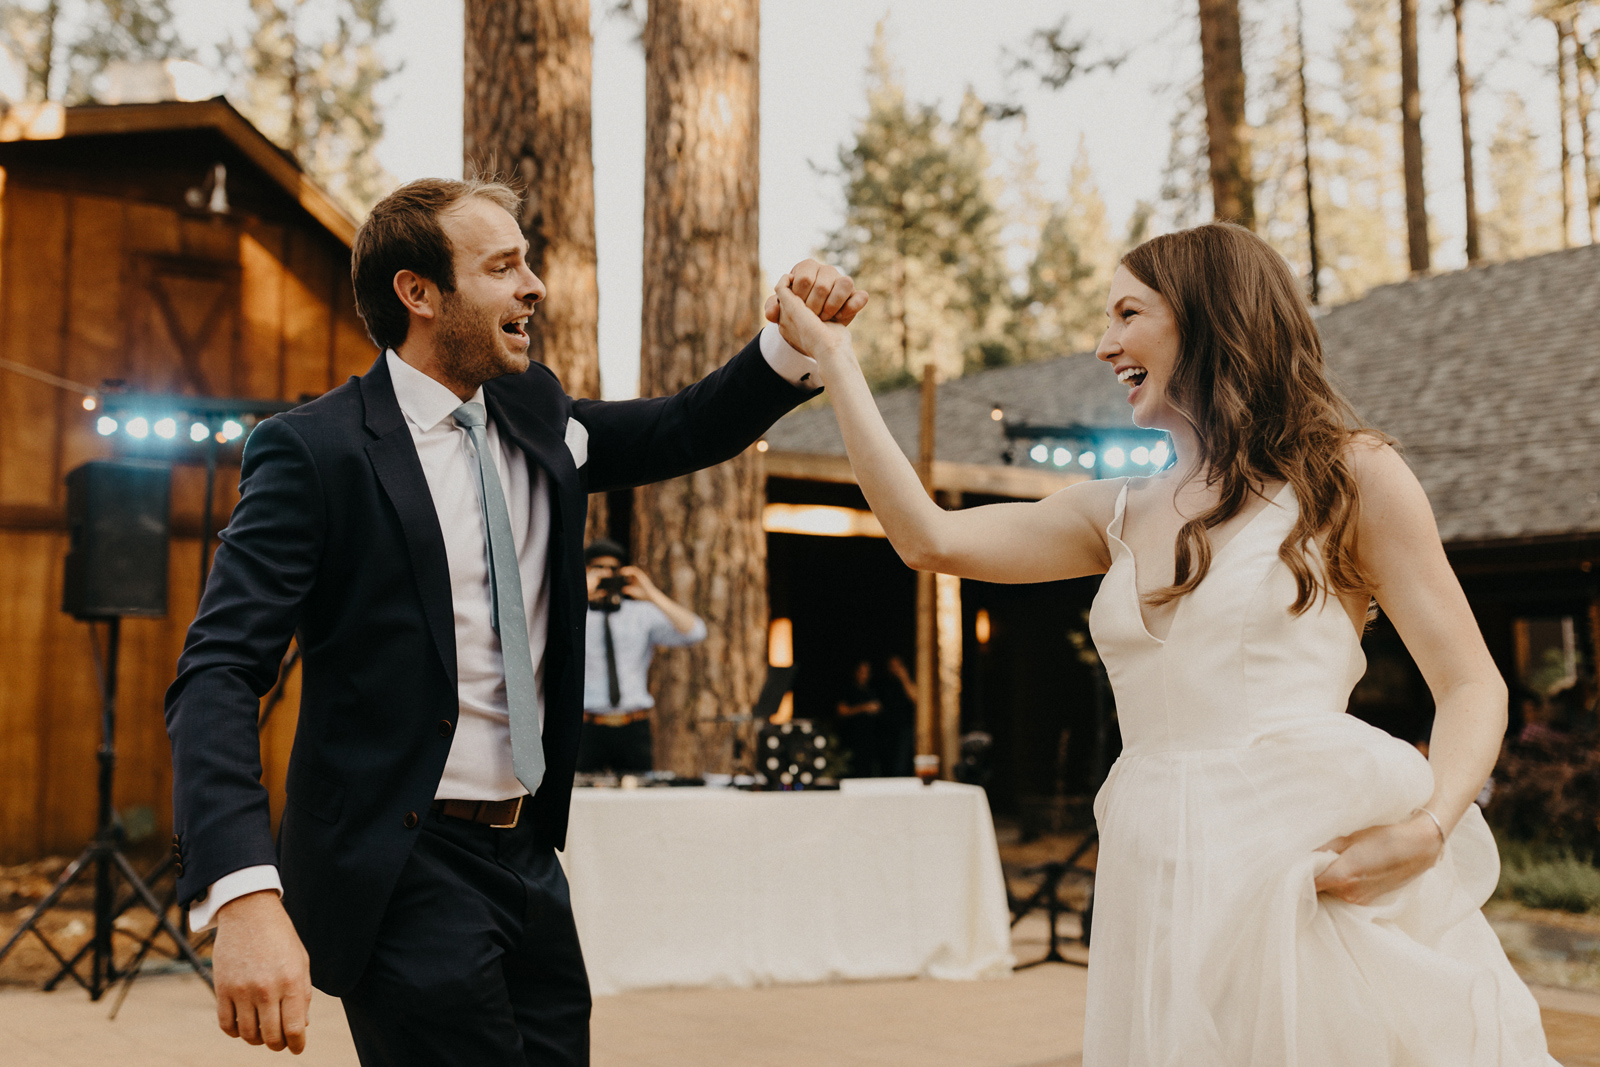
[(499, 814), (620, 718)]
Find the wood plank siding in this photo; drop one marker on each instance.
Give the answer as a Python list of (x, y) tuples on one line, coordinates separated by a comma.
[(98, 284)]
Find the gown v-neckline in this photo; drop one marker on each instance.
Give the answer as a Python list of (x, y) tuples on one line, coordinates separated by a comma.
[(1120, 520)]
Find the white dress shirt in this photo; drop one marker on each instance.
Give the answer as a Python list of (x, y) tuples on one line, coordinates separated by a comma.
[(479, 764)]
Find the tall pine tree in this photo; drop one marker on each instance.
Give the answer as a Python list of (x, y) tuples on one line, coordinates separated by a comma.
[(700, 536), (922, 233), (1524, 218), (311, 70), (1362, 224), (1062, 308), (65, 45)]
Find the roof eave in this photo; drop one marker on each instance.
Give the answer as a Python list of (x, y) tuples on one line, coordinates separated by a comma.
[(214, 114)]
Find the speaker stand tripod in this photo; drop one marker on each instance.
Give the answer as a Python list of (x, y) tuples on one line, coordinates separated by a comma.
[(104, 857)]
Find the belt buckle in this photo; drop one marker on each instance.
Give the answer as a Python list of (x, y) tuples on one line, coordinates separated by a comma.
[(516, 814)]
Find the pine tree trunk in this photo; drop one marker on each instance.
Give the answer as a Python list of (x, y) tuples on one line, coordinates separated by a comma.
[(1464, 85), (700, 537), (1562, 110), (1411, 140), (1305, 148), (527, 120), (1584, 72), (1227, 135)]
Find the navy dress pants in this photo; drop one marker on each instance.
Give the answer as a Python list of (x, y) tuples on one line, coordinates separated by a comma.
[(477, 961)]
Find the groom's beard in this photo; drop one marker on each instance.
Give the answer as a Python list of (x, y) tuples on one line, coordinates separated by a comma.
[(469, 345)]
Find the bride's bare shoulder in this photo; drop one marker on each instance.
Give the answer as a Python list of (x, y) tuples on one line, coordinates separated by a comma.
[(1095, 500), (1389, 491), (1376, 464), (1082, 514)]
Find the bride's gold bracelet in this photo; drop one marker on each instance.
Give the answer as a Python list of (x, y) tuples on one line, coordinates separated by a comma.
[(1437, 825)]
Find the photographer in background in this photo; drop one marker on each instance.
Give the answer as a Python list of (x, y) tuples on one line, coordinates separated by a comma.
[(629, 618)]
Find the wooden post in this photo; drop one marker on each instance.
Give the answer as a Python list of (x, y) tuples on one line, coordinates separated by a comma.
[(1594, 625), (927, 606), (947, 597)]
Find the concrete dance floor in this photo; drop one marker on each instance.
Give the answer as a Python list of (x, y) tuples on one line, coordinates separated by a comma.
[(1034, 1019)]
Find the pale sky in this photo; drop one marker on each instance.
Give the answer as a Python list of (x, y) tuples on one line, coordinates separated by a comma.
[(814, 55)]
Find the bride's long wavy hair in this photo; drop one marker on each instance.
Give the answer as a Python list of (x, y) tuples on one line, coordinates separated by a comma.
[(1250, 380)]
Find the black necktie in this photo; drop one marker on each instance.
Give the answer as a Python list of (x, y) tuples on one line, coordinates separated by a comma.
[(614, 686)]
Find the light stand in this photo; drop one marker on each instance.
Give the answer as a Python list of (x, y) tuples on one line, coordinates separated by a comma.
[(1048, 896), (104, 856)]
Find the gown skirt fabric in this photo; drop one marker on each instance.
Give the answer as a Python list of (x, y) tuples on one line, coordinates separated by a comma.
[(1211, 946)]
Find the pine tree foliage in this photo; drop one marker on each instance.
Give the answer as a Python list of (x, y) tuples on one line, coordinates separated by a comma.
[(1278, 154), (1356, 150), (65, 45), (1185, 197), (1062, 307), (1357, 165), (1525, 217), (922, 230), (310, 74)]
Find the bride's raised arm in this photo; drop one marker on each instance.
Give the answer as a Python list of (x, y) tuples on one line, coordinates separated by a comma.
[(1061, 536)]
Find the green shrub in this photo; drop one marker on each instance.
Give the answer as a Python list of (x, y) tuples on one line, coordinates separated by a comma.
[(1547, 790), (1541, 877)]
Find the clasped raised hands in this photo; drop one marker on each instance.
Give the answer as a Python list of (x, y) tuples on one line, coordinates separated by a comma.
[(813, 304)]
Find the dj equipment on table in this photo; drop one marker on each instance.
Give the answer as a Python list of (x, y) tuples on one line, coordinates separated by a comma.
[(793, 756)]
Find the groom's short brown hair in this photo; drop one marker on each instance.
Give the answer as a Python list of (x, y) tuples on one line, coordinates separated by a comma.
[(403, 233)]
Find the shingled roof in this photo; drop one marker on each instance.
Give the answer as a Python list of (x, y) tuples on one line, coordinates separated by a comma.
[(1488, 377)]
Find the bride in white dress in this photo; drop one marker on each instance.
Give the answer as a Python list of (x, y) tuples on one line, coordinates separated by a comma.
[(1279, 884)]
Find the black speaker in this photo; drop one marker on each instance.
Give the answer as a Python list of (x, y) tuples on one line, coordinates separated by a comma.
[(118, 516)]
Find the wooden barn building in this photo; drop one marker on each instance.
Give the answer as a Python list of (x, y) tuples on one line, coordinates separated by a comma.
[(172, 248)]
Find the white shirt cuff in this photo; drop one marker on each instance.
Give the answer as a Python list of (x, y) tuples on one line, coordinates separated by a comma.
[(247, 880), (792, 365)]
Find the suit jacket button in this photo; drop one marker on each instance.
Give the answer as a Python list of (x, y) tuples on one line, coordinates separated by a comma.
[(179, 868), (445, 727), (410, 820)]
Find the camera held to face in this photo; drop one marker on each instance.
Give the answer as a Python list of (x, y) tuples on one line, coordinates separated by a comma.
[(608, 596)]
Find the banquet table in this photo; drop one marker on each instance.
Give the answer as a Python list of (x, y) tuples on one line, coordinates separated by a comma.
[(884, 878)]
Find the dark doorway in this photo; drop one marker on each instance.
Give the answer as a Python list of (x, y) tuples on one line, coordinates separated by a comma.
[(850, 598)]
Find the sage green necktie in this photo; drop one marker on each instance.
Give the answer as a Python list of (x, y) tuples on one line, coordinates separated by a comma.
[(505, 598)]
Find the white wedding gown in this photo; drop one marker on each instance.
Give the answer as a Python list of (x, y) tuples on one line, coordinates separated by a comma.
[(1211, 947)]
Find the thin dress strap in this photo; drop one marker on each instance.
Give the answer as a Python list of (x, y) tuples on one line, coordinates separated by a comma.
[(1117, 511)]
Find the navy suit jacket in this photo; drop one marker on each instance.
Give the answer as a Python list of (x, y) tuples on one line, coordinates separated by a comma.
[(335, 540)]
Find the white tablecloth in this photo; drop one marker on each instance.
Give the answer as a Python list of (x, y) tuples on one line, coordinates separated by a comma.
[(715, 887)]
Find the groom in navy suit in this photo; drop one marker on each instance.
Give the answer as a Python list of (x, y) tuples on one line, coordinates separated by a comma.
[(420, 530)]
